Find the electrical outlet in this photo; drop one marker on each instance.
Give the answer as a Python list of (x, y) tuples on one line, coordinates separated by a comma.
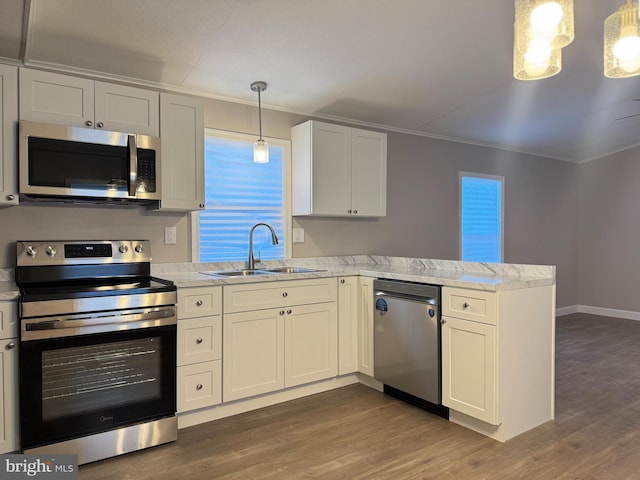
[(170, 235), (298, 235)]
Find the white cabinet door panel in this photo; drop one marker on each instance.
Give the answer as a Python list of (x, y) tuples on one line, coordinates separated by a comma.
[(120, 108), (369, 173)]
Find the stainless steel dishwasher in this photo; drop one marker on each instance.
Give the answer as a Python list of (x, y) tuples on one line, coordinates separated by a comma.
[(407, 342)]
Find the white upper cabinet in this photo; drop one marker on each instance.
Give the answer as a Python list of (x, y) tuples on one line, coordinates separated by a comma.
[(78, 102), (338, 171), (182, 137), (8, 117)]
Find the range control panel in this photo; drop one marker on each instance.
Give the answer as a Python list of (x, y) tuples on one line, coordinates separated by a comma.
[(73, 252)]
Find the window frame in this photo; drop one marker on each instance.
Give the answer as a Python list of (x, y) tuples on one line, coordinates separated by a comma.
[(286, 161), (501, 179)]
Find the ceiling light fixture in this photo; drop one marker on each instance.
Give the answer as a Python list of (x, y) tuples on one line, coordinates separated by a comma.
[(260, 147), (622, 42), (541, 29)]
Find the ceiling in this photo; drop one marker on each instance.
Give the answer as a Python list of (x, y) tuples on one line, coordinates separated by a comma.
[(431, 67)]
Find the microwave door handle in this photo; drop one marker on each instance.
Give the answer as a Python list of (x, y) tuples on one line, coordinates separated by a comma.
[(133, 165)]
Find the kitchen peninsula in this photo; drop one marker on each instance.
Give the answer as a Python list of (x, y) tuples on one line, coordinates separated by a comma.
[(498, 334)]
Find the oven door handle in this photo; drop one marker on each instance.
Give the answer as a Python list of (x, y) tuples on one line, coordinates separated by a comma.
[(71, 325)]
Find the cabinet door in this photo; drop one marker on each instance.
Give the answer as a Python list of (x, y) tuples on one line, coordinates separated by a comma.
[(310, 343), (8, 118), (126, 109), (182, 137), (368, 173), (9, 396), (252, 353), (469, 368), (54, 98), (347, 325), (331, 170), (365, 326)]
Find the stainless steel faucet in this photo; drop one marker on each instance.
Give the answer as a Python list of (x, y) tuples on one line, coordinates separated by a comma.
[(274, 240)]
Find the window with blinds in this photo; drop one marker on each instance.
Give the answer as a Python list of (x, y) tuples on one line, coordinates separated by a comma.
[(238, 194), (481, 218)]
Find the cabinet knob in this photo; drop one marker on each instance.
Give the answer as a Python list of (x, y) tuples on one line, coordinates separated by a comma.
[(11, 197), (100, 125), (349, 211), (198, 341), (443, 321), (202, 205), (284, 294), (89, 123), (199, 303), (342, 280), (465, 305), (289, 311), (199, 386), (355, 211), (10, 346), (281, 312)]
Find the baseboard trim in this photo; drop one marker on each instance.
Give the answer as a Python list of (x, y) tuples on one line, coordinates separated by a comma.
[(604, 312)]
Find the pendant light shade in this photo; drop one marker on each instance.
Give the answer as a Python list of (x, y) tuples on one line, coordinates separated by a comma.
[(622, 42), (535, 58), (551, 20), (260, 147)]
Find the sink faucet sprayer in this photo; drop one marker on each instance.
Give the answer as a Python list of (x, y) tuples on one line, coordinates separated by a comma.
[(274, 240)]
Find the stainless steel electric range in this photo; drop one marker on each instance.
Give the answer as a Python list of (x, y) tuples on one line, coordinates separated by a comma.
[(97, 349)]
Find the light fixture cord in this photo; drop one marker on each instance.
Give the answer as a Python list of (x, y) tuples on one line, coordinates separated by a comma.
[(260, 112)]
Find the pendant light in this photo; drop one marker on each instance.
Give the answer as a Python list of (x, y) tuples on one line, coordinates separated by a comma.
[(622, 42), (260, 147), (541, 29)]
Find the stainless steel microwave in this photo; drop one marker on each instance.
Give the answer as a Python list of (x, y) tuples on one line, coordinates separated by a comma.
[(60, 162)]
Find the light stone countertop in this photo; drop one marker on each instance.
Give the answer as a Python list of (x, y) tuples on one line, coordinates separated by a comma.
[(480, 276)]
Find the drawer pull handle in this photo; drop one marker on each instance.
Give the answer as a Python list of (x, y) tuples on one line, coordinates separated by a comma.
[(199, 303), (284, 294), (281, 312), (289, 312), (11, 345), (199, 386), (342, 280), (198, 341), (465, 305)]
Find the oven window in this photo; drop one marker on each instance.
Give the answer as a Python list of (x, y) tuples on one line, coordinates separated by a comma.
[(89, 378)]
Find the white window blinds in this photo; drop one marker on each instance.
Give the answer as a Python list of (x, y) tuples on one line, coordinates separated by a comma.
[(481, 218), (238, 194)]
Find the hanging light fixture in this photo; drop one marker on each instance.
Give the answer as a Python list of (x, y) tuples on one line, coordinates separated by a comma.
[(260, 147), (541, 29), (622, 42)]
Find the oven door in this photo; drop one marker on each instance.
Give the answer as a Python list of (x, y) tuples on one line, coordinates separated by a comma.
[(72, 386)]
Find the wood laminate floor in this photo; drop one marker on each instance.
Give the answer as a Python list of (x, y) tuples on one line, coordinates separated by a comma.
[(358, 433)]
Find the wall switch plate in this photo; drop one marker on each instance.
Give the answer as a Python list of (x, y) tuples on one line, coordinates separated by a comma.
[(170, 235), (298, 235)]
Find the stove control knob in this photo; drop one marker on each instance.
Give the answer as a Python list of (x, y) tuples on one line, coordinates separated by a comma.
[(123, 248), (51, 251), (31, 251), (138, 248)]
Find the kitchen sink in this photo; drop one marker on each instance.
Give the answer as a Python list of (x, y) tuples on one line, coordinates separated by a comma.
[(237, 273), (291, 270), (260, 271)]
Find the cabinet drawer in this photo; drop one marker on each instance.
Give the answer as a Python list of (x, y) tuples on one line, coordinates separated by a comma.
[(475, 305), (199, 339), (257, 296), (199, 385), (199, 302), (8, 320)]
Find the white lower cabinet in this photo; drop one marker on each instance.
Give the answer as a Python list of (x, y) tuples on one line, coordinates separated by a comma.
[(347, 325), (199, 348), (268, 349), (469, 368), (365, 326), (9, 434)]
